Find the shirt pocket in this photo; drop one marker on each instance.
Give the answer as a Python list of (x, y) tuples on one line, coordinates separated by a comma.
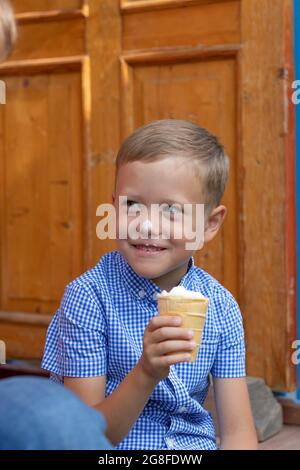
[(195, 374), (201, 367)]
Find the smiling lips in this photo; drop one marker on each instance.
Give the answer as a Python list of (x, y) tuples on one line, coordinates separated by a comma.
[(147, 247)]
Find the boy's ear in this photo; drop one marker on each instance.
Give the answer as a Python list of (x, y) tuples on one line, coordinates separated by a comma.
[(214, 223)]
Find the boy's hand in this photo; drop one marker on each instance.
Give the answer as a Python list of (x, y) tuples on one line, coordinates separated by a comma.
[(165, 344)]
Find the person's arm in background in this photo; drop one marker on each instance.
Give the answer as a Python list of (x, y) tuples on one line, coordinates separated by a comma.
[(122, 408), (237, 431), (8, 31)]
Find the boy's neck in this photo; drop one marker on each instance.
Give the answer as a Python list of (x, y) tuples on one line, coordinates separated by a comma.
[(171, 279)]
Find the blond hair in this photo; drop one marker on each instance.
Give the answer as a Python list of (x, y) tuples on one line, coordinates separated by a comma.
[(8, 31), (173, 137)]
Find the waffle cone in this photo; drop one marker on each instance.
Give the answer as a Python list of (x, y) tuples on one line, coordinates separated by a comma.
[(192, 312)]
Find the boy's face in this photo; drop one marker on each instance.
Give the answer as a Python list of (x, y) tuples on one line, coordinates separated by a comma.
[(168, 183)]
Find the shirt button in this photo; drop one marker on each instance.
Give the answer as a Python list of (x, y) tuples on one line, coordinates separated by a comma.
[(170, 442), (182, 409), (142, 293)]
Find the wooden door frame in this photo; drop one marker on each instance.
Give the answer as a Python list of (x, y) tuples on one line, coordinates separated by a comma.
[(267, 70)]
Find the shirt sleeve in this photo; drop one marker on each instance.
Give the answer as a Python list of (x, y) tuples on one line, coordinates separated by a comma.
[(230, 357), (76, 344)]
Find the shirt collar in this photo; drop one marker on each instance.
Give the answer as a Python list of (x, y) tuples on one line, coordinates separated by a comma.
[(142, 288)]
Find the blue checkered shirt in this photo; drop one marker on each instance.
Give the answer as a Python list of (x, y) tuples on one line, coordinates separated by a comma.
[(98, 330)]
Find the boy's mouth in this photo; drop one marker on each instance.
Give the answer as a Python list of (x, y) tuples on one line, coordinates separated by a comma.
[(147, 247)]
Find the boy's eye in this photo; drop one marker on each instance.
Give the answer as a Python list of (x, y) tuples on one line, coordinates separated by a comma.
[(133, 206), (172, 209)]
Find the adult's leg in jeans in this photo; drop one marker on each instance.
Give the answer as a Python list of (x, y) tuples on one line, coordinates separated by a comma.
[(38, 414)]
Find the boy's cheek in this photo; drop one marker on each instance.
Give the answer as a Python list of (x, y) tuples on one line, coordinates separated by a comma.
[(128, 227), (121, 228)]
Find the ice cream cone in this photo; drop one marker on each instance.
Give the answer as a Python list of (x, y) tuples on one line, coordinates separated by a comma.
[(191, 310)]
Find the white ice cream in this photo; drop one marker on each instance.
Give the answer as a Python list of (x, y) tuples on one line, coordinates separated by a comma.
[(182, 292), (147, 226)]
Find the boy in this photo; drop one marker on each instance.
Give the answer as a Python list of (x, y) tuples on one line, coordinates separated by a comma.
[(107, 343)]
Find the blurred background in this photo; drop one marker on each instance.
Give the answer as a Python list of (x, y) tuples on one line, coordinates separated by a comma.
[(82, 76)]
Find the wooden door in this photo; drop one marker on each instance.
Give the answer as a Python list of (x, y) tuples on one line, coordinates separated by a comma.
[(83, 76)]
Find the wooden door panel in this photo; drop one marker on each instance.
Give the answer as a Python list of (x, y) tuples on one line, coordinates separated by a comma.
[(199, 24), (25, 6), (65, 36), (42, 148), (203, 92)]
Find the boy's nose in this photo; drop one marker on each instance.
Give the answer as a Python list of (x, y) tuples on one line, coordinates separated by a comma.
[(146, 226), (150, 229)]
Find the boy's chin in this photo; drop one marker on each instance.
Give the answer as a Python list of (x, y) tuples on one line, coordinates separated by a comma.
[(149, 272)]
